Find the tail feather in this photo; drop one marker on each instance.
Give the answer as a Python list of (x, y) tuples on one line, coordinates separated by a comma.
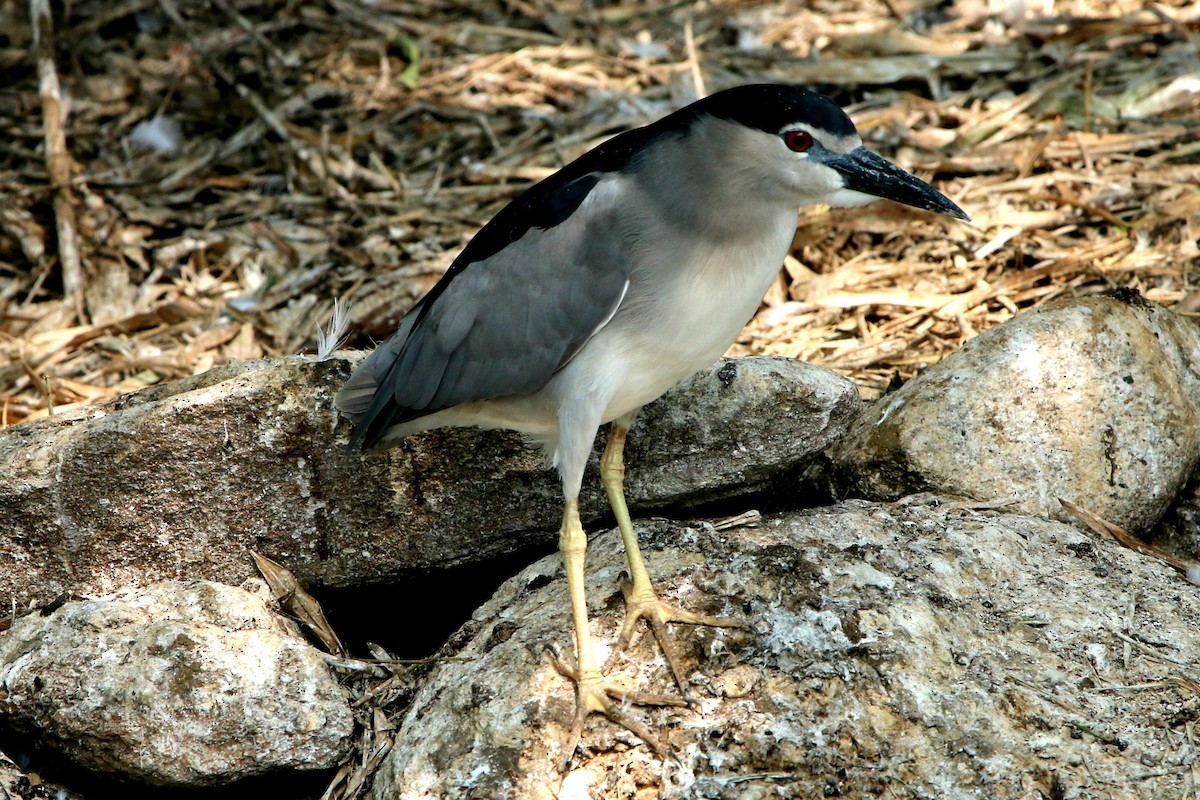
[(355, 397), (359, 398)]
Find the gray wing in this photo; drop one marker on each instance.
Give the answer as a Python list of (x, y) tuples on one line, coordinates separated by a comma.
[(502, 325)]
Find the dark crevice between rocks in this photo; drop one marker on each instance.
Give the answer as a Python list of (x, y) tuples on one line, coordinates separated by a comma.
[(414, 616), (804, 486)]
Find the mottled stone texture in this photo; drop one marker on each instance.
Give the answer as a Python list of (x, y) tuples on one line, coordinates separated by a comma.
[(185, 479), (181, 684), (921, 649), (1093, 400)]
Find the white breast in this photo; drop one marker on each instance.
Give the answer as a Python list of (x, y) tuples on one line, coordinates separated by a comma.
[(682, 314)]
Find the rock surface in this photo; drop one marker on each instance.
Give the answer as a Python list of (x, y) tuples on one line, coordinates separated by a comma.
[(922, 649), (182, 684), (1093, 400), (185, 479)]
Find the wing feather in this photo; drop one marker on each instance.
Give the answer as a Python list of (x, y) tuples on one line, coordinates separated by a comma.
[(502, 325)]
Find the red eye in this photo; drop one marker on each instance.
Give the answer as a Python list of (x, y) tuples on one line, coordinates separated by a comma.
[(798, 140)]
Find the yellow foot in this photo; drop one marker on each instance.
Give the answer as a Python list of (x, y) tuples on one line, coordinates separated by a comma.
[(593, 695), (642, 603)]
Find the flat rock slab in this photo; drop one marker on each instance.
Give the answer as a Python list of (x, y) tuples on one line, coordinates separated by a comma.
[(1093, 400), (185, 479), (921, 649), (184, 684)]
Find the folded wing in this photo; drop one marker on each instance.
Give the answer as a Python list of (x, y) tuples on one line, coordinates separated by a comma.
[(505, 323)]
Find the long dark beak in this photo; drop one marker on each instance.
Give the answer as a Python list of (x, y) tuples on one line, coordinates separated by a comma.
[(865, 172)]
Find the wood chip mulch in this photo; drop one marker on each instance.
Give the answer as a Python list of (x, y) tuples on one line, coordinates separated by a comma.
[(186, 183)]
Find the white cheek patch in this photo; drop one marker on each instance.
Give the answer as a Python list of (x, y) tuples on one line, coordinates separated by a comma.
[(848, 198)]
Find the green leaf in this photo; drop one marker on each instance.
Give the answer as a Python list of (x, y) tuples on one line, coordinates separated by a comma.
[(411, 50)]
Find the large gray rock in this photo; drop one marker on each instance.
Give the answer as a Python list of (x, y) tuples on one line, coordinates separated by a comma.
[(185, 479), (921, 649), (183, 684), (1093, 400)]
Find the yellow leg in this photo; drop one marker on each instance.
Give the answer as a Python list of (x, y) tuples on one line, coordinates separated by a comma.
[(591, 693), (572, 544), (641, 602)]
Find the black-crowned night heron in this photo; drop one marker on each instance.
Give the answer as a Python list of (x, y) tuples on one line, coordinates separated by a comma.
[(604, 285)]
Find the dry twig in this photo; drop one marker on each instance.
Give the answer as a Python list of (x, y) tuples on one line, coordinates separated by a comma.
[(58, 159)]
